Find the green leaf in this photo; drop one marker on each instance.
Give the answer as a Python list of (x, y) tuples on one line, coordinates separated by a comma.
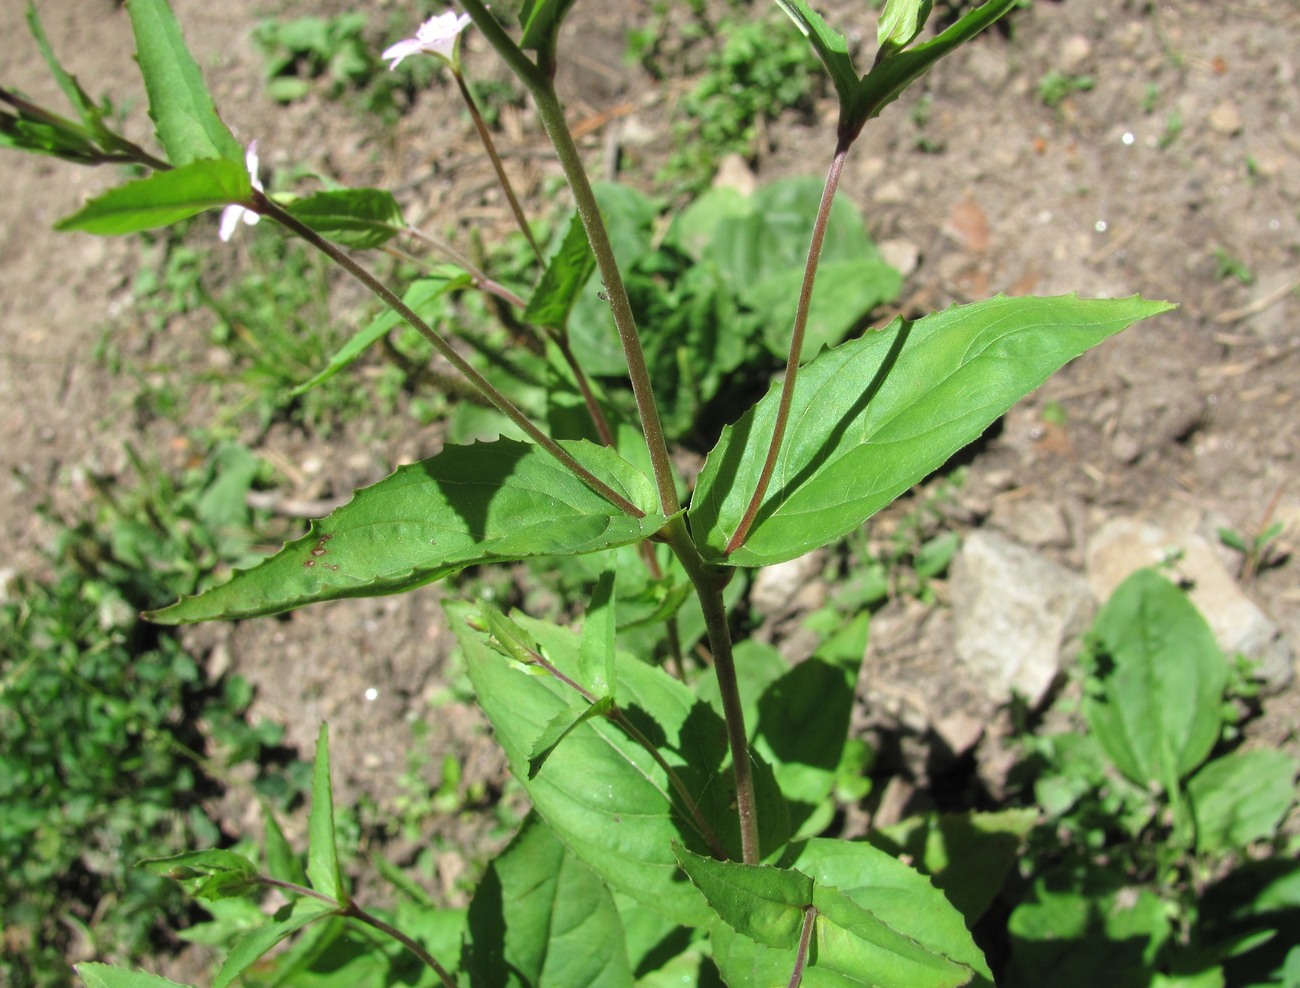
[(891, 75), (81, 102), (490, 502), (246, 952), (161, 199), (1157, 681), (601, 793), (541, 21), (561, 726), (763, 903), (967, 855), (1241, 798), (106, 976), (420, 298), (213, 874), (180, 105), (322, 850), (880, 924), (874, 416), (596, 656), (900, 22), (1093, 932), (542, 917), (566, 275), (357, 218), (831, 47), (281, 861)]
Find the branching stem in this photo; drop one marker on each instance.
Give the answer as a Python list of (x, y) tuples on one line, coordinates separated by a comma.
[(466, 369), (351, 910)]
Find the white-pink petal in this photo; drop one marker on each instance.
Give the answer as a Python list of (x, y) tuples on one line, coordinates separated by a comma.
[(436, 36), (233, 214)]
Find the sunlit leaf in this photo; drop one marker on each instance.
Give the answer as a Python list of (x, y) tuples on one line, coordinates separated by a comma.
[(161, 199), (490, 502), (179, 102), (874, 416), (358, 218), (322, 850)]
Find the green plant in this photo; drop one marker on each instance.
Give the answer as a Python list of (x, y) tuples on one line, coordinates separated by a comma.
[(1148, 865), (750, 78), (104, 760), (1055, 87), (679, 820)]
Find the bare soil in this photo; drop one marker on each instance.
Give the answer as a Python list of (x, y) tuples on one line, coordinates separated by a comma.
[(1181, 160)]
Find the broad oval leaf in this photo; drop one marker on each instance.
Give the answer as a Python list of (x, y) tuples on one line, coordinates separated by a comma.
[(1158, 681), (542, 917), (184, 116), (874, 416), (1241, 798), (358, 218), (162, 199), (490, 502)]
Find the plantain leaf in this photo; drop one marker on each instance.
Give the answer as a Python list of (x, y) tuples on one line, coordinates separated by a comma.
[(874, 416), (184, 116), (469, 504), (161, 199), (1157, 681)]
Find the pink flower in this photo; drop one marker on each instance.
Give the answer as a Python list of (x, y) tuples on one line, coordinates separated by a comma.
[(232, 214), (436, 36)]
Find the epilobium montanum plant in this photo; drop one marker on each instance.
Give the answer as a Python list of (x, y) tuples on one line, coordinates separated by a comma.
[(675, 816)]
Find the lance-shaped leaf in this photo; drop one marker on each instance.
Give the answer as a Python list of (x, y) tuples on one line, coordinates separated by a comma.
[(161, 199), (180, 105), (566, 274), (420, 298), (831, 47), (106, 976), (322, 849), (874, 416), (893, 74), (250, 947), (212, 875), (900, 22), (491, 502), (86, 109), (357, 218), (541, 20), (542, 917), (763, 903)]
